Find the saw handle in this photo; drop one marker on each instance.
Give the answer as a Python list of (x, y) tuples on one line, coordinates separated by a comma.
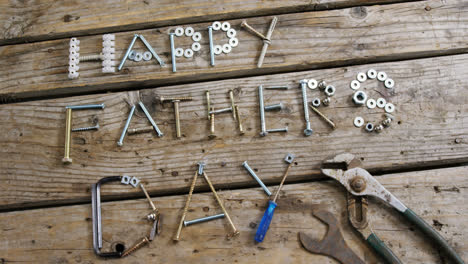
[(433, 235), (265, 223), (382, 249)]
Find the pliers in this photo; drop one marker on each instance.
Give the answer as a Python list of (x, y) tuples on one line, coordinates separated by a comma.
[(360, 184)]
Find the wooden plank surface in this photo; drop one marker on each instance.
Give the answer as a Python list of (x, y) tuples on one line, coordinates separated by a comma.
[(301, 41), (64, 234), (429, 130), (48, 19)]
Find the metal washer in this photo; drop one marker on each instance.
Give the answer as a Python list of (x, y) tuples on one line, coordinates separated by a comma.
[(218, 49), (233, 42), (371, 104), (188, 53), (147, 56), (361, 77), (179, 52), (381, 102), (312, 84), (389, 108), (355, 84)]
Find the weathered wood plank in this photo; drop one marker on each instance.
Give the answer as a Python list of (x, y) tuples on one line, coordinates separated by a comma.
[(430, 129), (301, 41), (47, 19), (64, 234)]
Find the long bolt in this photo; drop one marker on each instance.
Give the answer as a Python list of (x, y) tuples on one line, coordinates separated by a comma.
[(203, 219), (220, 111), (177, 118), (148, 197), (277, 130), (252, 173), (239, 121), (148, 46), (234, 229), (212, 124), (66, 157), (174, 67), (252, 30), (148, 116), (124, 131), (274, 107), (163, 99), (262, 111), (208, 103), (279, 87), (140, 130), (267, 42), (308, 131), (138, 245), (96, 127), (231, 96), (130, 47), (187, 203), (327, 120), (210, 36), (83, 107)]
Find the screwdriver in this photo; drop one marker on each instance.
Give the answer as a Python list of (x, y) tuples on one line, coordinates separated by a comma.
[(268, 215)]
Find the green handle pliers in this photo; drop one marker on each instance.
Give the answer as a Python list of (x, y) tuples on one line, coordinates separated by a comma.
[(360, 184)]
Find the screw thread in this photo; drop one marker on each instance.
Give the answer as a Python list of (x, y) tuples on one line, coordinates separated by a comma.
[(92, 57), (183, 98), (85, 128), (140, 244)]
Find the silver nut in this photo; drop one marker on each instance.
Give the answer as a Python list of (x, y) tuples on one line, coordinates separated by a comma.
[(358, 121), (330, 90), (322, 85), (355, 84), (369, 127), (379, 128), (316, 102), (387, 122), (372, 74), (381, 102), (312, 84), (359, 97), (326, 101)]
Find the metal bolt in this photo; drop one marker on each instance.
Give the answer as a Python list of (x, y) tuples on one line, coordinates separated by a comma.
[(92, 57), (208, 103), (308, 131), (148, 46), (252, 30), (173, 57), (148, 116), (277, 130), (124, 131), (130, 47), (231, 96), (83, 107), (280, 87), (274, 107), (220, 111), (163, 99), (210, 36), (262, 111), (329, 122), (96, 127), (204, 219), (212, 124), (267, 42), (140, 130), (66, 157), (252, 173), (177, 118), (201, 167), (187, 203), (241, 129), (139, 245)]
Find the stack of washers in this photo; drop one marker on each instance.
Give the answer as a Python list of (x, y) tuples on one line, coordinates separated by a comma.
[(196, 37), (230, 33), (360, 98)]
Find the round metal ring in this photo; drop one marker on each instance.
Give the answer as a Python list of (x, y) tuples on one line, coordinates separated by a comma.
[(389, 108), (188, 53), (196, 46), (361, 77), (227, 48), (355, 84), (233, 42), (189, 31), (312, 84), (131, 55), (381, 102), (371, 104), (218, 49), (196, 36), (381, 76), (179, 32), (316, 102), (147, 55), (231, 33), (225, 26), (138, 56), (358, 121), (216, 25), (330, 90), (179, 52), (389, 83), (372, 74)]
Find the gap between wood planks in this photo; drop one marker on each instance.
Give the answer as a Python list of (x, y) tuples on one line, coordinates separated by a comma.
[(200, 19), (236, 186)]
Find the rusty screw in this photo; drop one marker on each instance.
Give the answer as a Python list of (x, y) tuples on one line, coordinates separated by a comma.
[(358, 184), (327, 120), (138, 245), (66, 157)]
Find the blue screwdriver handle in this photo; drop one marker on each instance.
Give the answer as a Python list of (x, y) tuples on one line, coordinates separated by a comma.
[(265, 223)]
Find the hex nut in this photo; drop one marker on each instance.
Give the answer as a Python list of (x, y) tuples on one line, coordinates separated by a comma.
[(359, 98), (361, 77), (196, 46), (189, 31), (369, 127), (389, 108), (147, 55), (389, 83), (371, 104), (312, 84), (379, 128), (316, 102), (216, 25), (355, 84), (322, 85), (179, 32), (330, 90), (326, 101), (218, 49), (196, 36), (372, 74), (233, 42), (381, 102), (381, 76), (358, 121)]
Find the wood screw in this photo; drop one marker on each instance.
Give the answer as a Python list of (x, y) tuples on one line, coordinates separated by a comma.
[(66, 157), (138, 245)]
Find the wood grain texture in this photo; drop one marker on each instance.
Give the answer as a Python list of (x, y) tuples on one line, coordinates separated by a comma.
[(26, 21), (64, 234), (429, 130), (301, 41)]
